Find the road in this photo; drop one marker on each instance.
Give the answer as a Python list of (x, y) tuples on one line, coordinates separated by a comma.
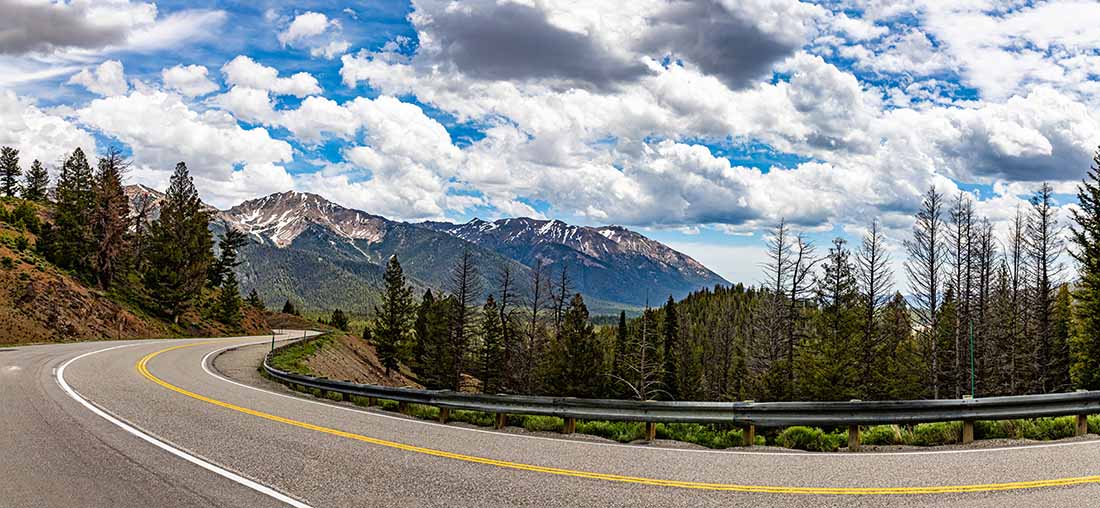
[(160, 423)]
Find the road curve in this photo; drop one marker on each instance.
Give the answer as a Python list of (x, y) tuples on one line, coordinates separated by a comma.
[(143, 423)]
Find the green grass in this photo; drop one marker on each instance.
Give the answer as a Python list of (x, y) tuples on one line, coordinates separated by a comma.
[(811, 439), (293, 358)]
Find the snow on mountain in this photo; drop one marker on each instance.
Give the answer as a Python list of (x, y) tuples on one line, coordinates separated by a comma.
[(283, 216)]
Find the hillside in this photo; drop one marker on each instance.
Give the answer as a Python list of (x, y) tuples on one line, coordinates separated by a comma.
[(41, 303)]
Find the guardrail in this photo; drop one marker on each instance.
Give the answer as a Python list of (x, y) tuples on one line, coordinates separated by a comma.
[(746, 414)]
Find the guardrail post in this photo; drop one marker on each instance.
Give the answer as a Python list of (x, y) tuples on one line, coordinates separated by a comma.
[(1082, 422), (748, 435), (444, 414), (502, 420), (853, 435), (650, 431), (570, 426), (967, 427), (403, 407), (371, 401)]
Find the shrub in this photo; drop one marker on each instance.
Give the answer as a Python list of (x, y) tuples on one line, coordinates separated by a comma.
[(22, 243), (883, 435), (543, 423), (935, 434), (7, 262), (623, 432), (810, 439)]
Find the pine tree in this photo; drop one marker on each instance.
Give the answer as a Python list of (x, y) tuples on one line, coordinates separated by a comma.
[(829, 361), (229, 301), (670, 331), (393, 318), (254, 300), (465, 287), (71, 243), (228, 246), (289, 308), (1086, 251), (338, 319), (925, 267), (1045, 247), (37, 184), (622, 343), (180, 248), (9, 171), (492, 349), (580, 361), (875, 280), (111, 217)]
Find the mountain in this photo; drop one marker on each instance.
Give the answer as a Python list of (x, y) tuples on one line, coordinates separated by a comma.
[(609, 262), (325, 255), (322, 255)]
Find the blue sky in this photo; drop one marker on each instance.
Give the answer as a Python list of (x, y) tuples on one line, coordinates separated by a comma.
[(701, 124)]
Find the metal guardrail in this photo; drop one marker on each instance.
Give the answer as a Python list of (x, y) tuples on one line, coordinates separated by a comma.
[(747, 414)]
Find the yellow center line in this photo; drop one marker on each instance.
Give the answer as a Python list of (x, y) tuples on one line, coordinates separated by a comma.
[(142, 367)]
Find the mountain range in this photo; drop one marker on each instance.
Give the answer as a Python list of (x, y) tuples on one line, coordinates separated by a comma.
[(322, 255)]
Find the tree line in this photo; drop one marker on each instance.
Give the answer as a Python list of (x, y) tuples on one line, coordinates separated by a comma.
[(162, 263), (985, 315)]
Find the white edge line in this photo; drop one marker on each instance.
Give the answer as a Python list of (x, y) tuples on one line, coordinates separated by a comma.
[(207, 357), (258, 487)]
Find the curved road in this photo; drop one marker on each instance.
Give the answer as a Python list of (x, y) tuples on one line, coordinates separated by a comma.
[(155, 423)]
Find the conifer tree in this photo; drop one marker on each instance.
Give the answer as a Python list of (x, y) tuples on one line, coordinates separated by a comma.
[(622, 342), (71, 243), (670, 331), (422, 331), (289, 308), (254, 300), (1045, 247), (229, 301), (111, 217), (37, 184), (1085, 234), (925, 267), (393, 318), (180, 248), (339, 319), (492, 353), (580, 360), (9, 171), (465, 287)]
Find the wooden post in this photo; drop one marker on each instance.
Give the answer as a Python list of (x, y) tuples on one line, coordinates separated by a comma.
[(403, 407), (502, 420), (570, 426), (650, 431), (1082, 422), (371, 401), (967, 428), (748, 435), (444, 414), (853, 438), (853, 435)]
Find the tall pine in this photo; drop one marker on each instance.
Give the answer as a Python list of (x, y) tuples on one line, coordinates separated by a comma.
[(670, 331), (71, 243), (229, 301), (1086, 251), (9, 171), (180, 249), (37, 185), (580, 362), (110, 219), (492, 348), (393, 318)]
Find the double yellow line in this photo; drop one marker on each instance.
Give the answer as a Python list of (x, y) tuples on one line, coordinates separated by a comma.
[(142, 367)]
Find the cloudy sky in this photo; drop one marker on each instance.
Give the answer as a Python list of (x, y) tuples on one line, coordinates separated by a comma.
[(700, 123)]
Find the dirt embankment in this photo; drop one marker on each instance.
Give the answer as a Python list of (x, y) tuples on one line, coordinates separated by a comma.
[(350, 358)]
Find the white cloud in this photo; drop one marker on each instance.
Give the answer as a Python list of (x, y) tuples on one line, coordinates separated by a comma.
[(162, 130), (107, 79), (316, 32), (190, 80), (37, 134), (249, 104), (244, 71)]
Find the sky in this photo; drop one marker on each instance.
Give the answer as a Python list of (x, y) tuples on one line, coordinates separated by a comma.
[(700, 123)]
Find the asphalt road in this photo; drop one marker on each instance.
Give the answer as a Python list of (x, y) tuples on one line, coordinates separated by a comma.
[(185, 432)]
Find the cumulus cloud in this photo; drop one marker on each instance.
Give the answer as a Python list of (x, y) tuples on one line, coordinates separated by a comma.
[(162, 130), (316, 32), (246, 72), (38, 134), (190, 80), (107, 79)]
